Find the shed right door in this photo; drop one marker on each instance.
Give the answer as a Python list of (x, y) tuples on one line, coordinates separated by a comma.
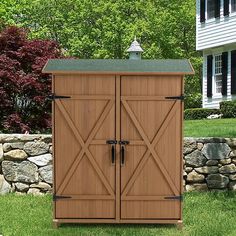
[(152, 171)]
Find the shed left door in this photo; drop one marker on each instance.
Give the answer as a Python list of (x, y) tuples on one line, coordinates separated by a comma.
[(83, 172)]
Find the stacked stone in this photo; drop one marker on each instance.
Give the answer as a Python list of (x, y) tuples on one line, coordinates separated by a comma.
[(209, 164), (25, 164)]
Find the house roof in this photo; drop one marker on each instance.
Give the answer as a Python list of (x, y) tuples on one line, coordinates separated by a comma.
[(118, 66)]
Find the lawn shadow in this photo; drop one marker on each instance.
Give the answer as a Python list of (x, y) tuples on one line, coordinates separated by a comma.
[(119, 226), (119, 229)]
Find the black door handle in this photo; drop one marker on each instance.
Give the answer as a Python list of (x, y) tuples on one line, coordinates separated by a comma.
[(123, 143), (122, 155), (113, 150), (113, 155)]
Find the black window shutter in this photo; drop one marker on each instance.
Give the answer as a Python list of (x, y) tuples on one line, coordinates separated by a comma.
[(217, 8), (202, 10), (209, 75), (233, 72), (224, 72), (226, 7)]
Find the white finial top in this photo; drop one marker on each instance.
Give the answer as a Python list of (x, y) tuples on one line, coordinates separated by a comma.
[(135, 46)]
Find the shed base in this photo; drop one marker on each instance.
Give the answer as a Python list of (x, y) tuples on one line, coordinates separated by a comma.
[(58, 222)]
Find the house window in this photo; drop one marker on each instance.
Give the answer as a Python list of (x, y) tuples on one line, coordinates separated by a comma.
[(210, 9), (233, 5), (218, 74)]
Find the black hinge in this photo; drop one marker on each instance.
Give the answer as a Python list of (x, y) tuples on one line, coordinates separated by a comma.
[(53, 96), (179, 198), (56, 197), (176, 97)]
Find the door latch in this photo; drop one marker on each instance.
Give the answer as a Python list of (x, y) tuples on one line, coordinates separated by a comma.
[(123, 143), (113, 150)]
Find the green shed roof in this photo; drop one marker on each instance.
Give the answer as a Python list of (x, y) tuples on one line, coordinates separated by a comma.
[(117, 66)]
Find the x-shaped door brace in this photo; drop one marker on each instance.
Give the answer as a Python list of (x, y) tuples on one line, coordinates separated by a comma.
[(85, 146), (150, 148)]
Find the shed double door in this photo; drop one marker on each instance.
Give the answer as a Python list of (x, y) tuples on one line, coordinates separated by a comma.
[(138, 177)]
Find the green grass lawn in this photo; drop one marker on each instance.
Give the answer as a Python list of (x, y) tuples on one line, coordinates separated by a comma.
[(210, 128), (205, 214)]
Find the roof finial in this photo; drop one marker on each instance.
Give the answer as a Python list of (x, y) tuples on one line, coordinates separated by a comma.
[(135, 50)]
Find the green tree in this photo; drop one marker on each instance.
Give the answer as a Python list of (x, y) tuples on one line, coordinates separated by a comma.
[(105, 29)]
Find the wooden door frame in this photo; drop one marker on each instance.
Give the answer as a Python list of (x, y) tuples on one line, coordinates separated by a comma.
[(150, 149), (118, 133), (59, 108), (118, 98), (177, 189), (181, 150), (85, 147), (53, 147)]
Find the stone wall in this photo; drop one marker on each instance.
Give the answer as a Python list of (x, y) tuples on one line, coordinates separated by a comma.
[(209, 164), (26, 164)]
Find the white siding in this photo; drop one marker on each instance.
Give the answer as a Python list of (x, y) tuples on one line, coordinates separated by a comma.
[(214, 102), (215, 32)]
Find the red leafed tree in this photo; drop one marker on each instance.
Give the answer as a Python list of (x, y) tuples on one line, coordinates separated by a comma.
[(23, 87)]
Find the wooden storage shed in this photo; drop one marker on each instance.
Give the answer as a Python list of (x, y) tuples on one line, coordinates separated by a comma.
[(117, 140)]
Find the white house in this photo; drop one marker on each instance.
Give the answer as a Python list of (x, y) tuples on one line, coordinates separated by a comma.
[(216, 38)]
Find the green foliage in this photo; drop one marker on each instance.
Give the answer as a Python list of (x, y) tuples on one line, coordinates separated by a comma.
[(23, 87), (199, 113), (105, 29), (193, 100), (193, 83), (228, 109)]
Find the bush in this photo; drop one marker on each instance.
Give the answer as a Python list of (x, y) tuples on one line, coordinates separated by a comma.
[(228, 109), (23, 87), (199, 113), (193, 101)]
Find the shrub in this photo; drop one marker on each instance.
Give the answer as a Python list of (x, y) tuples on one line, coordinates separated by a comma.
[(199, 113), (23, 87), (228, 109), (193, 101)]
